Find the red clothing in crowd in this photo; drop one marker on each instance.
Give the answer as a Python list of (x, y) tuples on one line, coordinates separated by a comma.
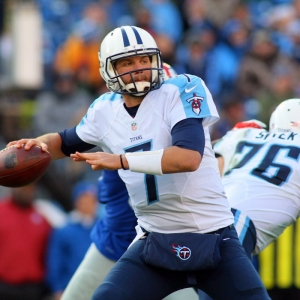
[(23, 239)]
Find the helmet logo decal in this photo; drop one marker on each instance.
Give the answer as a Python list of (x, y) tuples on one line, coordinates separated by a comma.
[(196, 103), (295, 124), (182, 252)]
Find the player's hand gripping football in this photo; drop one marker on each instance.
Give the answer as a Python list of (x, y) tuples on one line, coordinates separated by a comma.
[(28, 143), (100, 160)]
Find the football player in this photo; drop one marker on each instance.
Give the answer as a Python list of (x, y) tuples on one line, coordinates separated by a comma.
[(111, 236), (261, 176), (157, 136)]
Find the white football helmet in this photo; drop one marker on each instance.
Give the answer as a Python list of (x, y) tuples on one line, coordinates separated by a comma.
[(127, 41), (286, 117)]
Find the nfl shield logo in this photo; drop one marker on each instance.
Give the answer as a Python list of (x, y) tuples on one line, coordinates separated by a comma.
[(133, 126)]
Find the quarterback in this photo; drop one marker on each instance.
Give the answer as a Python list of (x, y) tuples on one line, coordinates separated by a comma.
[(156, 134)]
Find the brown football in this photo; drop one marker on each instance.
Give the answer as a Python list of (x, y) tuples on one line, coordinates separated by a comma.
[(19, 167)]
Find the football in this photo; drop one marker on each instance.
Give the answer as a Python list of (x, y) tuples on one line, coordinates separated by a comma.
[(20, 167)]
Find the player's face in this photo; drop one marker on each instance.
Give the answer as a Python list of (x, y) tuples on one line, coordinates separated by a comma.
[(130, 64)]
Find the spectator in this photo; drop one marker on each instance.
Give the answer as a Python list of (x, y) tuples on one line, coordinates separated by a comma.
[(58, 19), (294, 34), (223, 62), (257, 69), (118, 11), (193, 14), (279, 19), (218, 12), (232, 113), (284, 83), (193, 56), (165, 18), (24, 236), (53, 107), (168, 49), (69, 243), (79, 52), (142, 16)]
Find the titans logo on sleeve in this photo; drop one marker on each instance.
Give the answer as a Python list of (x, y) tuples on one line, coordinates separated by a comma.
[(196, 103)]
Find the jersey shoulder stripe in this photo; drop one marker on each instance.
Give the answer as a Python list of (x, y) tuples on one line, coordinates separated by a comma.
[(195, 98), (109, 96)]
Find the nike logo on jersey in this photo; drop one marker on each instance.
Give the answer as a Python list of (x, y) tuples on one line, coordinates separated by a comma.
[(189, 90)]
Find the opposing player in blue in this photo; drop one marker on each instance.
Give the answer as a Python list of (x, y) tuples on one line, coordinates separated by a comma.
[(157, 135)]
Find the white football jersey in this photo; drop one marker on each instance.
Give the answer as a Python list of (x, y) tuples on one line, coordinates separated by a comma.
[(179, 202), (262, 178)]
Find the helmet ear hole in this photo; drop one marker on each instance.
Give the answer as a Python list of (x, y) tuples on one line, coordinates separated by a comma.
[(128, 41)]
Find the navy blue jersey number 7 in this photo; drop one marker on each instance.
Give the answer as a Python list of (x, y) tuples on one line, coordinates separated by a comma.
[(150, 180)]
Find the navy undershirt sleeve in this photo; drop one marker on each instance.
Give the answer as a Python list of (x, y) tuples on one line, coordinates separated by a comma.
[(189, 134), (71, 142)]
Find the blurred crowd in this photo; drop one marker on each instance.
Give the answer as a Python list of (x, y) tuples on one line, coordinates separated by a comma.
[(246, 51)]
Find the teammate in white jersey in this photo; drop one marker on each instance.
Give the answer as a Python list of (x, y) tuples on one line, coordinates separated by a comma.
[(261, 175), (157, 135)]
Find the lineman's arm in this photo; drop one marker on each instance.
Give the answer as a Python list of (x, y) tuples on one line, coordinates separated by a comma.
[(225, 146), (49, 142)]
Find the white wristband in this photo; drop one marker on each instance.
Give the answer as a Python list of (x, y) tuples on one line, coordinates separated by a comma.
[(148, 162)]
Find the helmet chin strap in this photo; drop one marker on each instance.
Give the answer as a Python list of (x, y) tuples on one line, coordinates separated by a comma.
[(141, 88)]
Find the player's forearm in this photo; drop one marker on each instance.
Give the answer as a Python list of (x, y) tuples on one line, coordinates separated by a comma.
[(169, 160), (177, 159), (53, 142)]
